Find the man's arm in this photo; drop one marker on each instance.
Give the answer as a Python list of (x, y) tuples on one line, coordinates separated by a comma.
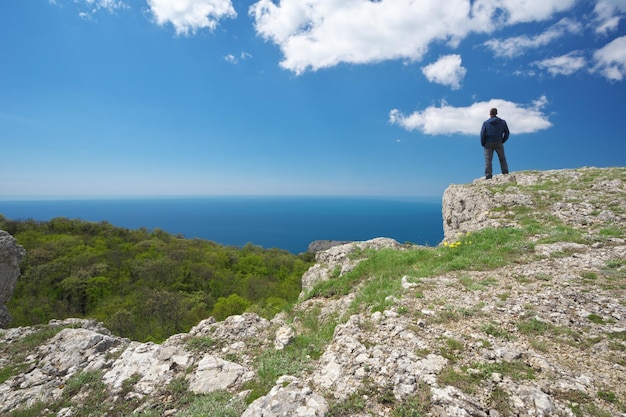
[(505, 134), (483, 134)]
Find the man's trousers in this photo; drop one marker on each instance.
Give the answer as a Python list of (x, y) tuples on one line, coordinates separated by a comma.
[(499, 148)]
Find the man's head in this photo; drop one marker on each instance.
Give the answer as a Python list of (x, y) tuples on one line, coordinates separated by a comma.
[(493, 112)]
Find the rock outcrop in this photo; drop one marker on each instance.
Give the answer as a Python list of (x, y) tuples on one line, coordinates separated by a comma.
[(11, 255), (322, 245), (542, 335), (338, 260), (579, 197)]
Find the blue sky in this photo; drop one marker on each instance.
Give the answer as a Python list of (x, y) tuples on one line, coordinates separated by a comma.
[(301, 97)]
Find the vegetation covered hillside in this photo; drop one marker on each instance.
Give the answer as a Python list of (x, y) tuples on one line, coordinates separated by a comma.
[(144, 285), (521, 312)]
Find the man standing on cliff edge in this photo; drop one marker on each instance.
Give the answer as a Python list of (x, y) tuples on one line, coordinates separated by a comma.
[(492, 136)]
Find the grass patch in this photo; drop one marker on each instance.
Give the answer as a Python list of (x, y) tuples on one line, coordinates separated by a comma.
[(616, 264), (500, 401), (543, 277), (495, 330), (589, 276), (450, 313), (618, 335), (540, 345), (306, 347), (94, 399), (612, 231), (534, 327), (91, 382), (516, 370), (417, 405), (615, 273), (594, 318), (272, 364), (580, 404), (347, 407), (472, 285), (38, 409), (202, 344), (489, 249), (129, 383), (451, 376), (215, 404), (80, 380), (608, 396), (562, 233), (178, 390), (32, 340), (19, 349), (483, 250), (378, 293), (468, 378), (315, 333), (12, 370), (452, 349)]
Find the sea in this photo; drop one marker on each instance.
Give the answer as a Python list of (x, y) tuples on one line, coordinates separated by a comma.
[(285, 222)]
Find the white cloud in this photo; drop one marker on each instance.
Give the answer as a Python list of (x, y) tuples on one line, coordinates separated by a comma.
[(188, 16), (517, 45), (563, 65), (233, 59), (446, 119), (521, 11), (94, 6), (315, 34), (607, 15), (447, 70), (109, 5), (610, 61)]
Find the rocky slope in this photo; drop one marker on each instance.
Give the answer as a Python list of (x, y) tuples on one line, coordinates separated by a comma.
[(543, 334)]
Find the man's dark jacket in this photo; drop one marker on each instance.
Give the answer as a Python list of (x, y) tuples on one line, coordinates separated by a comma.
[(494, 130)]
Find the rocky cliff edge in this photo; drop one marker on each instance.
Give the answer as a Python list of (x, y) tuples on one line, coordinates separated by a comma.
[(543, 334)]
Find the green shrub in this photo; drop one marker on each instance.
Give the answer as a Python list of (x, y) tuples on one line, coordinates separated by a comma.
[(229, 306)]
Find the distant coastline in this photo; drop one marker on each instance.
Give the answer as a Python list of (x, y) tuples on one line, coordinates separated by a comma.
[(285, 222)]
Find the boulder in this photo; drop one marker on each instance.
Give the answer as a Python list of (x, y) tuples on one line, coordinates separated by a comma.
[(289, 397), (321, 245)]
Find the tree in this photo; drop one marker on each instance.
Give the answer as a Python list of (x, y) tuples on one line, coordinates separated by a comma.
[(98, 288), (74, 292), (229, 306), (145, 285)]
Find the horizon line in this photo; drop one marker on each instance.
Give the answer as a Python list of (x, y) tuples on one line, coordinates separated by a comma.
[(76, 197)]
